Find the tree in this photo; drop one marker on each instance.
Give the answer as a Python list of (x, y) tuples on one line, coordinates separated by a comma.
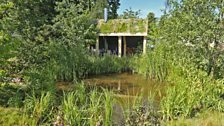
[(38, 28), (198, 24), (98, 6), (8, 43), (152, 27), (113, 6), (129, 13), (151, 17)]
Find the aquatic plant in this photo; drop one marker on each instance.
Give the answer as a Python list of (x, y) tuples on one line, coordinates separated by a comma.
[(80, 107), (192, 92), (39, 108), (142, 111), (99, 65), (108, 108), (154, 65), (95, 108)]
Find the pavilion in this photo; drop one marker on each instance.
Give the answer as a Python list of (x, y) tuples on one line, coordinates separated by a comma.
[(122, 36)]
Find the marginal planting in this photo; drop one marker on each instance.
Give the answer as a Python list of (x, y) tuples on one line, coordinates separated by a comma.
[(45, 42), (154, 65)]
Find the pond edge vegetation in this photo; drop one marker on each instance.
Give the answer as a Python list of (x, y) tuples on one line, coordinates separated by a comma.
[(187, 56)]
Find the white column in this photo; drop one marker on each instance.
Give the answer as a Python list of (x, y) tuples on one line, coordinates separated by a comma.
[(105, 44), (144, 45), (119, 86), (125, 46), (119, 46), (97, 45)]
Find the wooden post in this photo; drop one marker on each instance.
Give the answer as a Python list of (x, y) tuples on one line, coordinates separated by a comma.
[(125, 46), (144, 45), (119, 46), (97, 45)]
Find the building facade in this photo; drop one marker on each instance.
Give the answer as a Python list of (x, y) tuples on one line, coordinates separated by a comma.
[(122, 36)]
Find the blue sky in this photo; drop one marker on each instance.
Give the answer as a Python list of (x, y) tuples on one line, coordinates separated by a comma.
[(145, 6)]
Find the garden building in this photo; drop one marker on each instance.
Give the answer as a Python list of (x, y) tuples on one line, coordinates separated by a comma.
[(122, 36)]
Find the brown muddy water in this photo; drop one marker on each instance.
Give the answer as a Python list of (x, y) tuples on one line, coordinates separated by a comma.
[(124, 85), (127, 87)]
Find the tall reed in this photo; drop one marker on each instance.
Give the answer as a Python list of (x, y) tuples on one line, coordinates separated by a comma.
[(39, 108), (108, 108), (154, 64), (193, 91), (81, 107)]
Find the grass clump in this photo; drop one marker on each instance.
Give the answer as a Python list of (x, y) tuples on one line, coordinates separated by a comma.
[(76, 107), (9, 116), (92, 108), (39, 108)]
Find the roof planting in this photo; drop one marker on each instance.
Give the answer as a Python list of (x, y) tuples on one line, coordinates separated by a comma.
[(132, 26)]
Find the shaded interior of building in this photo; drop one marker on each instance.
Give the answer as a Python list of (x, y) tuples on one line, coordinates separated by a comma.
[(109, 44)]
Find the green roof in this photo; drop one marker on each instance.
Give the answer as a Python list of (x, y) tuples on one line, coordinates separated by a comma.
[(123, 26)]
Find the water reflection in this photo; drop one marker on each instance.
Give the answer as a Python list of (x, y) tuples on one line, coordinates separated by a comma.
[(127, 84)]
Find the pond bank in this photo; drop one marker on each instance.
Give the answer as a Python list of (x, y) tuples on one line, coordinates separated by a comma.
[(128, 89)]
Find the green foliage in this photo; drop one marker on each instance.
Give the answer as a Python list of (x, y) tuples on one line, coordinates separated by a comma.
[(4, 8), (38, 35), (80, 107), (41, 78), (199, 26), (99, 65), (153, 28), (113, 6), (8, 43), (11, 95), (142, 111), (205, 118), (129, 13), (154, 65), (97, 11), (123, 26), (39, 108), (188, 55), (193, 92), (46, 41), (108, 108), (12, 116)]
